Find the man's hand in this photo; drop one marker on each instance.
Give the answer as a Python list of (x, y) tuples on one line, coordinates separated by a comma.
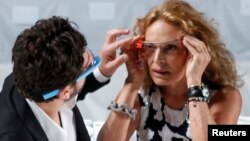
[(109, 61)]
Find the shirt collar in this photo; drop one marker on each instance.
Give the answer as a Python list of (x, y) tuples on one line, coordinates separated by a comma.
[(53, 131)]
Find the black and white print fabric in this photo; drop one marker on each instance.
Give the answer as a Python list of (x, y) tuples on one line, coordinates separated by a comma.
[(160, 122)]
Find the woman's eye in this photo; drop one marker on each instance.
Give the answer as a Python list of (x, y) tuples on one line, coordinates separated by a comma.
[(170, 47), (149, 46)]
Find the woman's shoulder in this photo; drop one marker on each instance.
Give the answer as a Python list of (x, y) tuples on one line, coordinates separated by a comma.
[(226, 105), (227, 93)]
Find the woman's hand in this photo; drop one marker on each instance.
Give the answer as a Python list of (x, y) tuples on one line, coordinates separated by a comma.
[(198, 59), (136, 63)]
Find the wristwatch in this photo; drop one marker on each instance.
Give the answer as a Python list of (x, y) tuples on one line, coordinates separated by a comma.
[(198, 93)]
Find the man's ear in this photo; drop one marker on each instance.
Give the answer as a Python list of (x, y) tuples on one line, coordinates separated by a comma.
[(65, 92)]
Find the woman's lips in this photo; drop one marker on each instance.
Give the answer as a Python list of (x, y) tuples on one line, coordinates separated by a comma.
[(160, 72)]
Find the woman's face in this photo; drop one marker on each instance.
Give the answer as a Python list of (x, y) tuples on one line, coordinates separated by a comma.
[(166, 56)]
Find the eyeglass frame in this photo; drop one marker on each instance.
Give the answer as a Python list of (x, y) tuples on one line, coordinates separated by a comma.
[(156, 44), (96, 63)]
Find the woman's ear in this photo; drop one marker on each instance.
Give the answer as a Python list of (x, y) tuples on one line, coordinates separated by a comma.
[(65, 92)]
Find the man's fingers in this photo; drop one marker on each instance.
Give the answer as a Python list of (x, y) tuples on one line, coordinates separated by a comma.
[(120, 44), (119, 61), (112, 34), (125, 42)]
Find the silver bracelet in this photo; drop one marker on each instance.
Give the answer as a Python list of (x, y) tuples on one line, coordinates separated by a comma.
[(123, 108), (198, 99)]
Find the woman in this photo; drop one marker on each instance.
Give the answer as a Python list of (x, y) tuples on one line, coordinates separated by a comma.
[(191, 79)]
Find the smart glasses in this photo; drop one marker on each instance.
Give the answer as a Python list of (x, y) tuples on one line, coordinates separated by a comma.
[(167, 48), (95, 63)]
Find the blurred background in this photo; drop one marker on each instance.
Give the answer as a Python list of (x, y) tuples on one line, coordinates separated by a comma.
[(96, 17)]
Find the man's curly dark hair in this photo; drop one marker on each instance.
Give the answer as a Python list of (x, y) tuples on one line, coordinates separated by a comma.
[(47, 56)]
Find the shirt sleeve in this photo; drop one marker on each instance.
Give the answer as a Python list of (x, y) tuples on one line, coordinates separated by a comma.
[(93, 82), (99, 76)]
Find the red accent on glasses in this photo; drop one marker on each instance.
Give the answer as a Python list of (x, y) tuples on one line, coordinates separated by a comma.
[(139, 42)]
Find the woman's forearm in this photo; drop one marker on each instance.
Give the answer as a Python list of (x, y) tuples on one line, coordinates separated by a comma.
[(199, 119), (117, 125)]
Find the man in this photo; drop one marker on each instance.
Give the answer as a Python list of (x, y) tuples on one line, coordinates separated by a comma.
[(52, 68)]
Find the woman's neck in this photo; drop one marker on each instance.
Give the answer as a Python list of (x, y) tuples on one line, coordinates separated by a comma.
[(174, 95)]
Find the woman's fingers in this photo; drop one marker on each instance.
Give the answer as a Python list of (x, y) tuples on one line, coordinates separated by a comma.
[(199, 56)]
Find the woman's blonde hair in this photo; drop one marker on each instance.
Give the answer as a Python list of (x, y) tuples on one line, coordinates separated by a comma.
[(221, 70)]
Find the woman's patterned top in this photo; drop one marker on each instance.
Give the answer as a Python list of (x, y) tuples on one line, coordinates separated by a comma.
[(159, 122)]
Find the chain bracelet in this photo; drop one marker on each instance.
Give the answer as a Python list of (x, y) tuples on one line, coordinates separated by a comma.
[(123, 108)]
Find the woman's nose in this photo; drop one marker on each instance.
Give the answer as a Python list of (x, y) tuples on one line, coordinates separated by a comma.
[(159, 56)]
